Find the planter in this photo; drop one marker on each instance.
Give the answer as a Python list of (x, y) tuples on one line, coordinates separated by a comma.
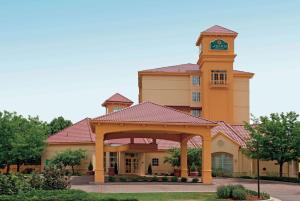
[(177, 172), (194, 174), (111, 171), (90, 172)]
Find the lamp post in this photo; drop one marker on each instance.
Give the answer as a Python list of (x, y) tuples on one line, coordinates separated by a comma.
[(258, 179)]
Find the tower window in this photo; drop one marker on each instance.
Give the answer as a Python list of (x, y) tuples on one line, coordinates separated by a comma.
[(218, 77), (196, 80), (155, 162), (196, 96)]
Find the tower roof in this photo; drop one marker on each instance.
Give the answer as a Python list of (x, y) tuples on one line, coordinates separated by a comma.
[(216, 30), (117, 98)]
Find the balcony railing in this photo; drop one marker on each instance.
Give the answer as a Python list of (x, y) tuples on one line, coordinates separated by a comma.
[(218, 83)]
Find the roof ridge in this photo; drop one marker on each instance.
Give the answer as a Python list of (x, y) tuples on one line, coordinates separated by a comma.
[(232, 129), (183, 112), (220, 27), (171, 66)]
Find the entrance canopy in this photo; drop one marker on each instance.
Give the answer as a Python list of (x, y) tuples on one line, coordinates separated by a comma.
[(149, 120)]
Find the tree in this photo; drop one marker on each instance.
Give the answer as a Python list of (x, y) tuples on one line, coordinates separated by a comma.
[(70, 158), (193, 156), (276, 138), (22, 139), (58, 124)]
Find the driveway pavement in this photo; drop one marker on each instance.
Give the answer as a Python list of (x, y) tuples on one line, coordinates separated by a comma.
[(282, 190)]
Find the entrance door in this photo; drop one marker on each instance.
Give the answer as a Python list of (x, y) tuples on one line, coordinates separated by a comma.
[(222, 164), (131, 163)]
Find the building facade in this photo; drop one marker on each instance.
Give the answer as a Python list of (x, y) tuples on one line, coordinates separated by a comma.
[(210, 95)]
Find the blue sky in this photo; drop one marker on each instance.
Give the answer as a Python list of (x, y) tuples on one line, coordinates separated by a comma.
[(65, 58)]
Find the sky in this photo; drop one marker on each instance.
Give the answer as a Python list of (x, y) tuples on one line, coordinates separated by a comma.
[(64, 58)]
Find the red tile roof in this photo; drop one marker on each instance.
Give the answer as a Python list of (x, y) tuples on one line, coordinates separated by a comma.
[(219, 29), (117, 98), (183, 68), (79, 132), (152, 113)]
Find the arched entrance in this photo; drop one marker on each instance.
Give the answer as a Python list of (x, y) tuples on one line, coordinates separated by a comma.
[(222, 164)]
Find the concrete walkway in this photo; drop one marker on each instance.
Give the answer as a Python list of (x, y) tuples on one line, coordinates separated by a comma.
[(282, 190)]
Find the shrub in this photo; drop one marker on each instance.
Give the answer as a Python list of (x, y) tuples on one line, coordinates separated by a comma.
[(14, 184), (111, 179), (193, 167), (54, 178), (183, 179), (195, 180), (36, 181), (264, 195), (154, 179), (239, 194), (223, 192), (174, 179), (90, 167), (285, 179), (134, 179), (149, 169), (164, 179), (123, 179)]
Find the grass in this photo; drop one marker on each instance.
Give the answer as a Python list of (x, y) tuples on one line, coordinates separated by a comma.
[(180, 196)]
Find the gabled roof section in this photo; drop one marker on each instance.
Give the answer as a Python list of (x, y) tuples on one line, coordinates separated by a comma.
[(151, 113), (236, 133), (79, 132), (117, 98), (181, 68), (186, 68)]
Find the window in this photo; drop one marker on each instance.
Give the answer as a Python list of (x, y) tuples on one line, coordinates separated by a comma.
[(113, 158), (155, 162), (117, 108), (218, 77), (196, 80), (196, 96), (196, 112)]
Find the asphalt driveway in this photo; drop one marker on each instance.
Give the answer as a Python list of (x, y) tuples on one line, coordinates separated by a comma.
[(282, 190)]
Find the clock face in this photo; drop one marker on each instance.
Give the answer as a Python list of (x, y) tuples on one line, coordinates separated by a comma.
[(218, 45)]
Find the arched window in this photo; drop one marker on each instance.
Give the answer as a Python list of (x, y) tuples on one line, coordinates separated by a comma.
[(222, 164)]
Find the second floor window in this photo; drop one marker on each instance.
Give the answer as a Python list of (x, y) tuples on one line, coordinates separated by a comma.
[(196, 96), (117, 108), (196, 80), (218, 77)]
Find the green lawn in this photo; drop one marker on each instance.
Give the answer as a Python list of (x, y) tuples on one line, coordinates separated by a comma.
[(162, 196)]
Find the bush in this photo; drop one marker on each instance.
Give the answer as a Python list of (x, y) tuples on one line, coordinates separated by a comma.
[(239, 194), (36, 181), (90, 167), (183, 179), (14, 184), (223, 192), (149, 169), (285, 179), (111, 179), (264, 195), (54, 178), (174, 179), (165, 179), (193, 167), (154, 179), (123, 179), (195, 180)]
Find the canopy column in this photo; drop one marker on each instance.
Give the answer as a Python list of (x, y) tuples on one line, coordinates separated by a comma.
[(99, 170), (183, 157), (206, 160)]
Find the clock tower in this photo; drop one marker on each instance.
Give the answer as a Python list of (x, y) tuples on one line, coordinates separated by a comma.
[(216, 70)]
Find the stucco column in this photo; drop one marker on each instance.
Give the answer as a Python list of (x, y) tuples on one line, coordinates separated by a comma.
[(99, 171), (183, 157), (206, 160)]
